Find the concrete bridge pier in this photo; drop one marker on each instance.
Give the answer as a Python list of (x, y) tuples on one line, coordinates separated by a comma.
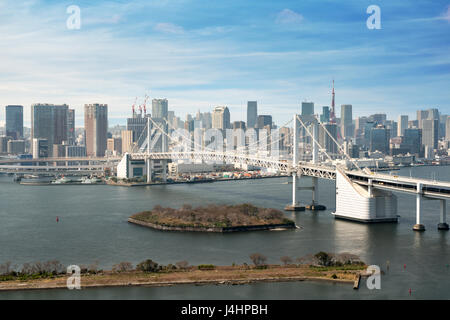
[(294, 206), (443, 225), (315, 206), (418, 226), (149, 170)]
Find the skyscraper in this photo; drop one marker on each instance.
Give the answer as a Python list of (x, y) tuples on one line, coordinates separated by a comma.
[(71, 126), (127, 141), (346, 121), (42, 124), (14, 121), (430, 133), (137, 125), (160, 109), (325, 116), (447, 129), (252, 114), (307, 108), (412, 140), (96, 126), (402, 125), (325, 140), (378, 118), (60, 125), (264, 120), (379, 139), (221, 118)]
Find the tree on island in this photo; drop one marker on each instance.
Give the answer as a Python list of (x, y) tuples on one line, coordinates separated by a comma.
[(324, 258), (182, 264), (122, 267), (258, 259), (286, 260), (148, 266)]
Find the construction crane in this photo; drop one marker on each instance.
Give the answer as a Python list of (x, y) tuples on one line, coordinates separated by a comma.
[(132, 107), (145, 105)]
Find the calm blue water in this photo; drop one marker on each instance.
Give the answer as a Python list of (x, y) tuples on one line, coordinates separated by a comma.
[(93, 227)]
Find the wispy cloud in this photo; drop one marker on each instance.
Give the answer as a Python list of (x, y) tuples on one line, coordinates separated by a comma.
[(168, 28), (289, 17), (446, 14)]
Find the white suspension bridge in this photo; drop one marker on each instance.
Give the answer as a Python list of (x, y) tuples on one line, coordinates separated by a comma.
[(361, 195)]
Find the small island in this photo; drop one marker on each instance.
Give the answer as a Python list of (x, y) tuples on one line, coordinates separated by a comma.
[(213, 218)]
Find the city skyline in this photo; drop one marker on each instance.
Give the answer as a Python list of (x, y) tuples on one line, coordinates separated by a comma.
[(278, 54)]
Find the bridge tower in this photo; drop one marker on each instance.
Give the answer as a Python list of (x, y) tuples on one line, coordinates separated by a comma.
[(149, 162), (295, 205), (315, 206)]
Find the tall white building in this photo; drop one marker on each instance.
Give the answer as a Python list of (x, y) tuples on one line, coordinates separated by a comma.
[(221, 118)]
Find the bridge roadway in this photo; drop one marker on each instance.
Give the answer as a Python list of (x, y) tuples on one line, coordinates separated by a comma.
[(429, 188)]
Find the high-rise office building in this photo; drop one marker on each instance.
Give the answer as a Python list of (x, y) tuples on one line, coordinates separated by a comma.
[(115, 145), (40, 148), (221, 118), (325, 116), (137, 124), (14, 121), (379, 139), (238, 125), (378, 118), (402, 125), (71, 127), (75, 151), (412, 140), (96, 127), (252, 114), (430, 133), (4, 144), (325, 140), (160, 109), (346, 121), (447, 129), (127, 141), (264, 120), (43, 125), (307, 108), (16, 146), (60, 123), (421, 115)]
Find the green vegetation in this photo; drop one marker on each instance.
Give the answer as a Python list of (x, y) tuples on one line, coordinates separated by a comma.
[(213, 216), (206, 267)]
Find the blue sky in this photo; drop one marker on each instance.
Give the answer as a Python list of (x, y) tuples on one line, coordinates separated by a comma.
[(200, 54)]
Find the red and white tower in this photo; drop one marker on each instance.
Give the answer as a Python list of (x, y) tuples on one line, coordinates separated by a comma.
[(332, 112)]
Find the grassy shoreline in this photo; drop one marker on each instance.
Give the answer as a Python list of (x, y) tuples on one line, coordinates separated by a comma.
[(220, 275)]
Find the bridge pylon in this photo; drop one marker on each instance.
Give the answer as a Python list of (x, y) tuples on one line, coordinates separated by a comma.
[(315, 206), (294, 206)]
